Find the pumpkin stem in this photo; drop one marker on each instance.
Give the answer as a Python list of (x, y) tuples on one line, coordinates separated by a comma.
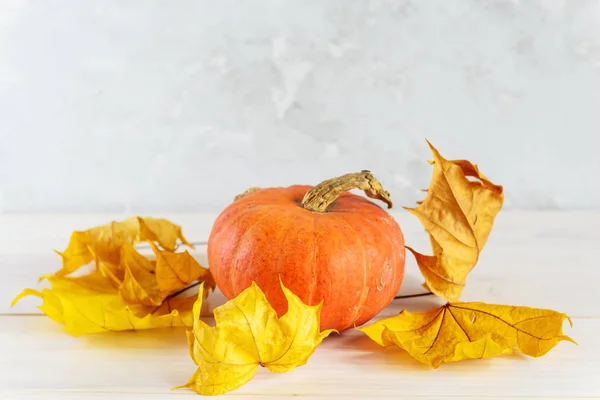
[(247, 192), (320, 197)]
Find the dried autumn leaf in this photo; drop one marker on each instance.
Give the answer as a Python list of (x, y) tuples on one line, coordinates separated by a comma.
[(247, 335), (458, 214), (149, 283), (139, 284), (174, 271), (462, 331), (161, 231), (113, 273), (90, 304), (106, 241)]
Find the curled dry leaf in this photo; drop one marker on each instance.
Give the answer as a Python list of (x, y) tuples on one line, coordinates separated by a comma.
[(149, 283), (458, 213), (174, 271), (248, 334), (126, 290), (91, 304), (106, 241), (462, 331), (139, 285)]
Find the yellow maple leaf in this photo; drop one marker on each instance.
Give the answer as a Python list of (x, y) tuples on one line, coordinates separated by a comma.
[(91, 304), (161, 231), (175, 271), (139, 285), (106, 241), (149, 283), (462, 331), (115, 274), (248, 334), (458, 213)]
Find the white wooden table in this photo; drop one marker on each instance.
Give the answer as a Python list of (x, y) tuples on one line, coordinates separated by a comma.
[(547, 260)]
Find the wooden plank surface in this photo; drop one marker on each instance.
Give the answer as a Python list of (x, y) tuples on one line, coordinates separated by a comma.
[(537, 259), (39, 358)]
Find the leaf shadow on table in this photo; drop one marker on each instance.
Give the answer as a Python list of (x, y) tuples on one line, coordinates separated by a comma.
[(413, 285), (166, 338), (418, 304), (392, 357), (367, 352)]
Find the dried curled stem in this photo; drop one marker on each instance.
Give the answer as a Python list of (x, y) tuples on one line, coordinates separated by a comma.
[(247, 192), (319, 198)]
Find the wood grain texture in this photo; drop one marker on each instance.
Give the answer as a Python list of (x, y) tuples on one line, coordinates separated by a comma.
[(536, 259), (39, 357)]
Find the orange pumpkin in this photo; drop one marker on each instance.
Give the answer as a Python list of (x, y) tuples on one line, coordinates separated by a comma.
[(323, 243)]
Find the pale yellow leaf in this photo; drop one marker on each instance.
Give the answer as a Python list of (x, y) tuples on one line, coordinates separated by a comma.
[(105, 241), (458, 213), (139, 285), (162, 231), (51, 305), (460, 331), (249, 334), (91, 304), (174, 271)]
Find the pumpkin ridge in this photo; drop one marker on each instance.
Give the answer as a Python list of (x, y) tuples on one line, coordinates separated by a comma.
[(314, 261), (238, 213), (280, 255), (363, 296), (244, 237), (391, 244)]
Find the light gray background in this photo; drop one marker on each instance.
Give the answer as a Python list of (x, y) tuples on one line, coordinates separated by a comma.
[(152, 106)]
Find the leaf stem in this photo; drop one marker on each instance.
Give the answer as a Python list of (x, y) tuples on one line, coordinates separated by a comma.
[(410, 296), (177, 293)]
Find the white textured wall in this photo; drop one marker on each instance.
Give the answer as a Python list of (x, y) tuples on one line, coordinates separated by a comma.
[(149, 106)]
